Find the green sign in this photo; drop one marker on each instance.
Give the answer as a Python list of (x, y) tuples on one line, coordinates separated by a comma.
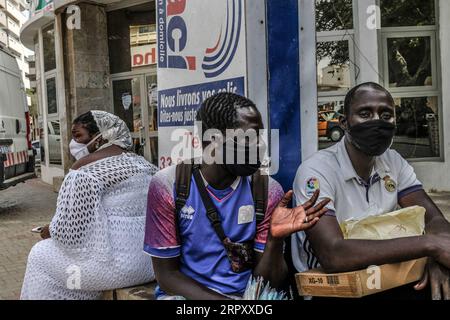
[(41, 6)]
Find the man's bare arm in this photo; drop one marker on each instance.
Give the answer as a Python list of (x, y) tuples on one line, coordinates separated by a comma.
[(435, 221), (336, 254)]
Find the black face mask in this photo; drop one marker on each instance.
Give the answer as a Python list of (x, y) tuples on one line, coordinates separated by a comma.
[(245, 169), (372, 137), (242, 170)]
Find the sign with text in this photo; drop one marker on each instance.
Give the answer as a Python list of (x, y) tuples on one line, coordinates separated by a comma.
[(142, 56), (193, 64)]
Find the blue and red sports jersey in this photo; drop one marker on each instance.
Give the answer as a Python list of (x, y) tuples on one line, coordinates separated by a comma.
[(202, 254)]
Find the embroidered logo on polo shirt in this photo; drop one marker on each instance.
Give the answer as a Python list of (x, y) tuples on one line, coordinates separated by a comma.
[(187, 213), (389, 184), (312, 185)]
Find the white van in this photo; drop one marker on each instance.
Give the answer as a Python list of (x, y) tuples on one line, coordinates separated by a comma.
[(16, 152)]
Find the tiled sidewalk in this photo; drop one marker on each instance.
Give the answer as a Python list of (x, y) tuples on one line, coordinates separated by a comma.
[(21, 209)]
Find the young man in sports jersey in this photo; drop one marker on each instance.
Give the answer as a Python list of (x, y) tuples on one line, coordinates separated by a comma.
[(190, 258)]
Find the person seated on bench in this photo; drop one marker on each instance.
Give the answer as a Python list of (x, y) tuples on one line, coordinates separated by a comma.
[(208, 228), (94, 242), (362, 176)]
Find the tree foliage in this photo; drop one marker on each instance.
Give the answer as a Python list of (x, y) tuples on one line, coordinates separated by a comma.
[(401, 13), (334, 15)]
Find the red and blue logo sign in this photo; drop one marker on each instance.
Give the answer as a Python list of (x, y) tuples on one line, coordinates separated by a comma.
[(173, 37)]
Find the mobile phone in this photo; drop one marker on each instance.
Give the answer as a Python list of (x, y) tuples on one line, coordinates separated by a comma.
[(37, 230)]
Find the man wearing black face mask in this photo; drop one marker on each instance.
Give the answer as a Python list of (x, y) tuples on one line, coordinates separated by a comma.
[(363, 177), (210, 245)]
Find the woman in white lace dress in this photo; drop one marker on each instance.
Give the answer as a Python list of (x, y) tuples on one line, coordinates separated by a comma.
[(97, 234)]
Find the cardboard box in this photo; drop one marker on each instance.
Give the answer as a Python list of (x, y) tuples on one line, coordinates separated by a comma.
[(360, 283)]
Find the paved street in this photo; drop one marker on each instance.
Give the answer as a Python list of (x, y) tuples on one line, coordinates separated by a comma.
[(32, 204)]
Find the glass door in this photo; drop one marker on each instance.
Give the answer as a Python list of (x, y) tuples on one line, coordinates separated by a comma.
[(152, 134), (128, 106), (135, 102)]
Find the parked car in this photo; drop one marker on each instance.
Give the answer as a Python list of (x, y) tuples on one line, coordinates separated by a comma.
[(16, 152), (328, 125)]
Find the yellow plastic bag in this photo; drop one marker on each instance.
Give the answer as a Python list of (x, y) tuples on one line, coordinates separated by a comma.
[(407, 222)]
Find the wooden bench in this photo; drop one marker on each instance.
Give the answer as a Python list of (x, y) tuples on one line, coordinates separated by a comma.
[(144, 292)]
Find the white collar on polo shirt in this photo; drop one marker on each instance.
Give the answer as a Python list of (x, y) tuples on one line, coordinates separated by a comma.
[(349, 171)]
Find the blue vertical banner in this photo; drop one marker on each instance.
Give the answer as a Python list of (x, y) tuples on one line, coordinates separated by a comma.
[(284, 84), (162, 33)]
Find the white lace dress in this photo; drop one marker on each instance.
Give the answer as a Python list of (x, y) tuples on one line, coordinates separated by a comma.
[(97, 233)]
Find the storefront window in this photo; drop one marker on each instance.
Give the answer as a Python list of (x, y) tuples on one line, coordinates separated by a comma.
[(143, 46), (53, 124), (52, 106), (131, 31), (333, 15), (48, 40), (417, 133), (333, 66), (133, 57), (53, 154), (411, 74), (152, 94), (328, 122), (408, 67), (396, 13), (54, 142), (409, 61), (336, 67), (127, 102), (147, 29)]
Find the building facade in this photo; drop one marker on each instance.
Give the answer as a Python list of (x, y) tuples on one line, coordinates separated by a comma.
[(102, 55), (107, 62)]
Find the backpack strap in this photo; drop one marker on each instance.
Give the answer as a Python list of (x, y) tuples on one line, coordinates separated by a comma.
[(183, 175), (211, 210), (259, 185), (260, 191)]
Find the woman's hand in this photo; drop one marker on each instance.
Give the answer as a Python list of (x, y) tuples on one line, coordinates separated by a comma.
[(286, 221)]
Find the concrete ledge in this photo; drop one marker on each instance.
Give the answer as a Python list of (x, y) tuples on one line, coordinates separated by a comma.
[(144, 292)]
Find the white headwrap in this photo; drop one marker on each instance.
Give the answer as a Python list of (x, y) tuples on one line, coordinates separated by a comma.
[(113, 129)]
